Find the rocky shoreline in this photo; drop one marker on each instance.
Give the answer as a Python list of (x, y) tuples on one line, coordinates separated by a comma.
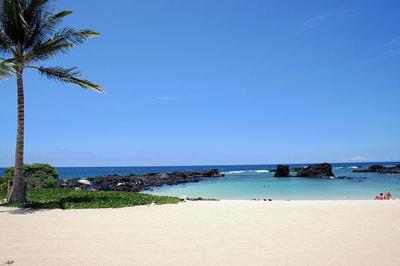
[(142, 182), (380, 169), (324, 170), (137, 183)]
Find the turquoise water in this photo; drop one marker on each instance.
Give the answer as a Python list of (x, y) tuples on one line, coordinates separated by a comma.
[(255, 182)]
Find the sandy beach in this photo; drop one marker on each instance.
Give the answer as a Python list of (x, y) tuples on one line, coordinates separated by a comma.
[(207, 233)]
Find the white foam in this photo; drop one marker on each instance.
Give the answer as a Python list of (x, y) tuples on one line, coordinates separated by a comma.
[(234, 172), (238, 172), (262, 171)]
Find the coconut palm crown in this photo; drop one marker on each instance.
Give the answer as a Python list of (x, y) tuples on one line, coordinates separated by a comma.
[(30, 33)]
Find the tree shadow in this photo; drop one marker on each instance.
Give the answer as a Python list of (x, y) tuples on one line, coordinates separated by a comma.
[(21, 211), (33, 207)]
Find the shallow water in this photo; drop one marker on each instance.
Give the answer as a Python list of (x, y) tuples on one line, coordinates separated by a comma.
[(249, 185), (259, 184), (255, 182)]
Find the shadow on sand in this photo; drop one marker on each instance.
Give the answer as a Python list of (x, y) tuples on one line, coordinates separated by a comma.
[(20, 211), (30, 208)]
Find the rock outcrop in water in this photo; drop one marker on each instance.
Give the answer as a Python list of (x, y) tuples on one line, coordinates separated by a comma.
[(376, 168), (282, 171), (136, 183), (316, 170)]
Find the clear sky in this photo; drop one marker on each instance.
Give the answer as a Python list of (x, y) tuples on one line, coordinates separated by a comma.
[(218, 82)]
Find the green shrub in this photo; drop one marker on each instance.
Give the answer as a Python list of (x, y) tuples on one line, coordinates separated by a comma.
[(58, 198), (2, 195), (36, 176), (3, 185)]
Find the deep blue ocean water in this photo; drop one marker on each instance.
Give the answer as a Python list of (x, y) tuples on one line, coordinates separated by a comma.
[(255, 182)]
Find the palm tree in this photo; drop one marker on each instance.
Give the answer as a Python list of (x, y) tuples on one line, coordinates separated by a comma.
[(30, 33)]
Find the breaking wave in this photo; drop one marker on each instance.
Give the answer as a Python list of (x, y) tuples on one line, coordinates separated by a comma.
[(242, 172), (262, 171)]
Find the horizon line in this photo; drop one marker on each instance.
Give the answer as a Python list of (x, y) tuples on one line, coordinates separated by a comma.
[(200, 165)]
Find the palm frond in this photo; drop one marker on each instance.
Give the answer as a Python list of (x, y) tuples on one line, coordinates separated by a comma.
[(7, 69), (11, 13), (69, 75), (29, 22), (35, 14), (35, 6), (29, 32), (61, 42), (53, 20), (6, 45), (46, 28)]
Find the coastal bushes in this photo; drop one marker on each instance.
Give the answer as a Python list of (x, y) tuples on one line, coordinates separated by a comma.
[(2, 195), (3, 186), (36, 176), (57, 198)]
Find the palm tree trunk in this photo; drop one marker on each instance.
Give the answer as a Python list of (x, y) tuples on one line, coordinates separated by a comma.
[(18, 189)]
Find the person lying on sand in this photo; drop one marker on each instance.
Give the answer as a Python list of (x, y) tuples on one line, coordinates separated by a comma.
[(380, 197)]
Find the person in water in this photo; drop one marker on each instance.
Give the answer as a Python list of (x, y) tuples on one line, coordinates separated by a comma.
[(380, 197), (389, 196)]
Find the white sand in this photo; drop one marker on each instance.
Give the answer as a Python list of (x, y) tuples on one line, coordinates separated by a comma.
[(207, 233)]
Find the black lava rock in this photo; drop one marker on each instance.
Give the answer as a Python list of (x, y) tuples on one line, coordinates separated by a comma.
[(136, 183), (282, 171), (316, 170)]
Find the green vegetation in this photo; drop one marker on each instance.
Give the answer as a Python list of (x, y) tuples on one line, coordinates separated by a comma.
[(41, 180), (3, 185), (57, 198), (35, 175), (2, 195)]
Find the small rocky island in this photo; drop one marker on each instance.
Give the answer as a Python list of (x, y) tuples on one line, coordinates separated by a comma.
[(136, 183), (282, 171), (380, 169), (316, 170), (322, 170)]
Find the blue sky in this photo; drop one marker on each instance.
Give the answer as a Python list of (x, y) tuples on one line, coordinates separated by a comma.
[(218, 82)]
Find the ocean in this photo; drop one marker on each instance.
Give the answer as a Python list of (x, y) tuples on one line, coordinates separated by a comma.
[(256, 182)]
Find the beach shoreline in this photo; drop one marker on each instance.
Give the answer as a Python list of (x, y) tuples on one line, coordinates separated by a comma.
[(226, 232)]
